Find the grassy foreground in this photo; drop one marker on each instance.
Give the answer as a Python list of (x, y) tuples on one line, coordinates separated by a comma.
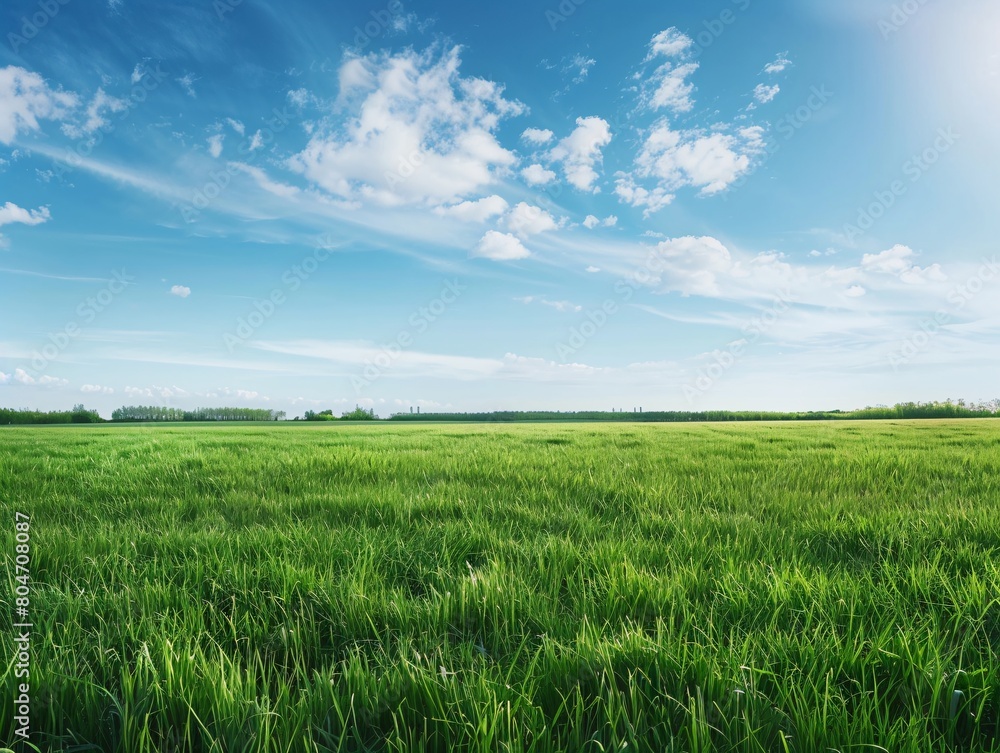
[(508, 588)]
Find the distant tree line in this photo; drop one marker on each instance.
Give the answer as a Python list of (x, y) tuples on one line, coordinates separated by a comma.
[(947, 409), (82, 415), (79, 415), (163, 413), (358, 414)]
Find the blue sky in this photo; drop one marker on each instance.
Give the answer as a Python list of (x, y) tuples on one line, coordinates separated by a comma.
[(575, 205)]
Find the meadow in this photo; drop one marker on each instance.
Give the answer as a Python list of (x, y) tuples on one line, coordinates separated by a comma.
[(559, 587)]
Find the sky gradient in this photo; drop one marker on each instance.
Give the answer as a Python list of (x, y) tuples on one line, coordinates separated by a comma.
[(482, 206)]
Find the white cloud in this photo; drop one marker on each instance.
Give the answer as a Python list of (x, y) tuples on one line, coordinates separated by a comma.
[(22, 376), (237, 126), (780, 63), (300, 97), (855, 291), (592, 269), (4, 378), (692, 265), (421, 133), (762, 93), (674, 159), (94, 115), (355, 73), (256, 141), (187, 83), (271, 186), (891, 261), (11, 213), (537, 136), (536, 175), (669, 43), (97, 389), (500, 247), (579, 66), (181, 291), (475, 211), (590, 222), (670, 87), (898, 261), (525, 220), (137, 73), (581, 151), (215, 144), (25, 99), (562, 306), (651, 200), (165, 393)]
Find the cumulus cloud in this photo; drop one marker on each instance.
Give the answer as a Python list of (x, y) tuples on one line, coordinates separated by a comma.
[(159, 392), (693, 265), (650, 200), (537, 136), (525, 220), (580, 152), (237, 126), (855, 291), (215, 145), (23, 377), (181, 291), (94, 115), (670, 89), (590, 221), (778, 65), (578, 66), (762, 93), (475, 211), (299, 97), (674, 159), (11, 213), (669, 43), (420, 133), (561, 306), (97, 389), (668, 86), (500, 247), (536, 175), (898, 261), (187, 83), (25, 99)]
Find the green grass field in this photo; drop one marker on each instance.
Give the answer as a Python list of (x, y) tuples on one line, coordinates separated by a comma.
[(716, 587)]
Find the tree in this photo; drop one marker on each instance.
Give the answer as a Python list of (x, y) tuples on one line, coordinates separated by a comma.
[(359, 414)]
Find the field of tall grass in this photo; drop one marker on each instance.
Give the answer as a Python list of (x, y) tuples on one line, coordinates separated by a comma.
[(586, 587)]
